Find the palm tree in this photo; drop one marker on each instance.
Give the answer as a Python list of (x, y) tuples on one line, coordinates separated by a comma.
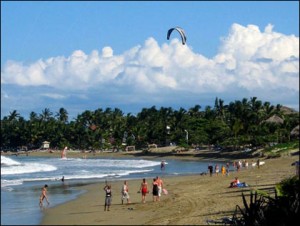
[(46, 115), (14, 115), (62, 115), (195, 111)]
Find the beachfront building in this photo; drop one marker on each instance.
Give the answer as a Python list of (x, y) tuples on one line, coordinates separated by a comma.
[(45, 145), (130, 148)]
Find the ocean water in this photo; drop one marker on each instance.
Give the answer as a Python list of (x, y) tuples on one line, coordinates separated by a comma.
[(22, 178)]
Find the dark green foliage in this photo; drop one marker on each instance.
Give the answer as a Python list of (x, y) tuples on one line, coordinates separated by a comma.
[(232, 126), (253, 213), (282, 210), (288, 187)]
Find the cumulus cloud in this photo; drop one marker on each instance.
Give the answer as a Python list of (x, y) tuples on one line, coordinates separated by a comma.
[(248, 59)]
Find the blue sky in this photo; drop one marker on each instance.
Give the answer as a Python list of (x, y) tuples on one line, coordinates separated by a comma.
[(87, 55)]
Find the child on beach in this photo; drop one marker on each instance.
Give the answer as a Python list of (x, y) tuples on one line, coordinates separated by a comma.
[(108, 197), (44, 195)]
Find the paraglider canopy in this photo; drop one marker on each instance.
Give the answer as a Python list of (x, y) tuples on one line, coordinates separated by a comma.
[(181, 32)]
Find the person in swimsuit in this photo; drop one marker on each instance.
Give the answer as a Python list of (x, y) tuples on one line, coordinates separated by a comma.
[(160, 184), (108, 197), (234, 183), (125, 194), (155, 190), (44, 195), (144, 190)]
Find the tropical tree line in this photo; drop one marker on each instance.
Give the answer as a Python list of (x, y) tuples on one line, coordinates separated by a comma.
[(240, 123)]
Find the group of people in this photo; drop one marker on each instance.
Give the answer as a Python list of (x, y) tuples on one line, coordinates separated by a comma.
[(157, 190), (224, 169), (237, 165)]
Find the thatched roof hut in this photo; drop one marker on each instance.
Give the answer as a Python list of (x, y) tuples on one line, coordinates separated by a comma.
[(287, 111), (295, 131), (275, 119)]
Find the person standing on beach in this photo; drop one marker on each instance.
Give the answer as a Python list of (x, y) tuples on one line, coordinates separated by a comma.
[(223, 170), (238, 166), (144, 190), (246, 164), (125, 194), (217, 170), (227, 169), (44, 195), (108, 197), (210, 169)]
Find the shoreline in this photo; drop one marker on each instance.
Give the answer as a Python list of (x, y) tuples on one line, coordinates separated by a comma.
[(192, 199), (161, 153)]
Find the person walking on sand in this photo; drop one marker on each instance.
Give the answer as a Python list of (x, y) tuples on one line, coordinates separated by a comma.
[(144, 190), (125, 194), (44, 195), (155, 190), (108, 197), (160, 185)]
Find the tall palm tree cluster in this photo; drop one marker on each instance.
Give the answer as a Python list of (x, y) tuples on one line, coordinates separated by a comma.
[(238, 124)]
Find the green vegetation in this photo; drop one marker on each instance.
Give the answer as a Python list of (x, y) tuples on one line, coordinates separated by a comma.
[(236, 126), (262, 209), (280, 149)]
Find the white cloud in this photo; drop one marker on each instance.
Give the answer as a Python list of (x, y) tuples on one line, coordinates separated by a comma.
[(54, 95), (107, 52), (249, 60)]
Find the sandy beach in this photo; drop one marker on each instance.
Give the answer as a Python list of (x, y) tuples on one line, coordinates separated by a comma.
[(191, 199)]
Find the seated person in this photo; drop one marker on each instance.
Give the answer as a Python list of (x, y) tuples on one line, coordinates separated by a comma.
[(234, 183)]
